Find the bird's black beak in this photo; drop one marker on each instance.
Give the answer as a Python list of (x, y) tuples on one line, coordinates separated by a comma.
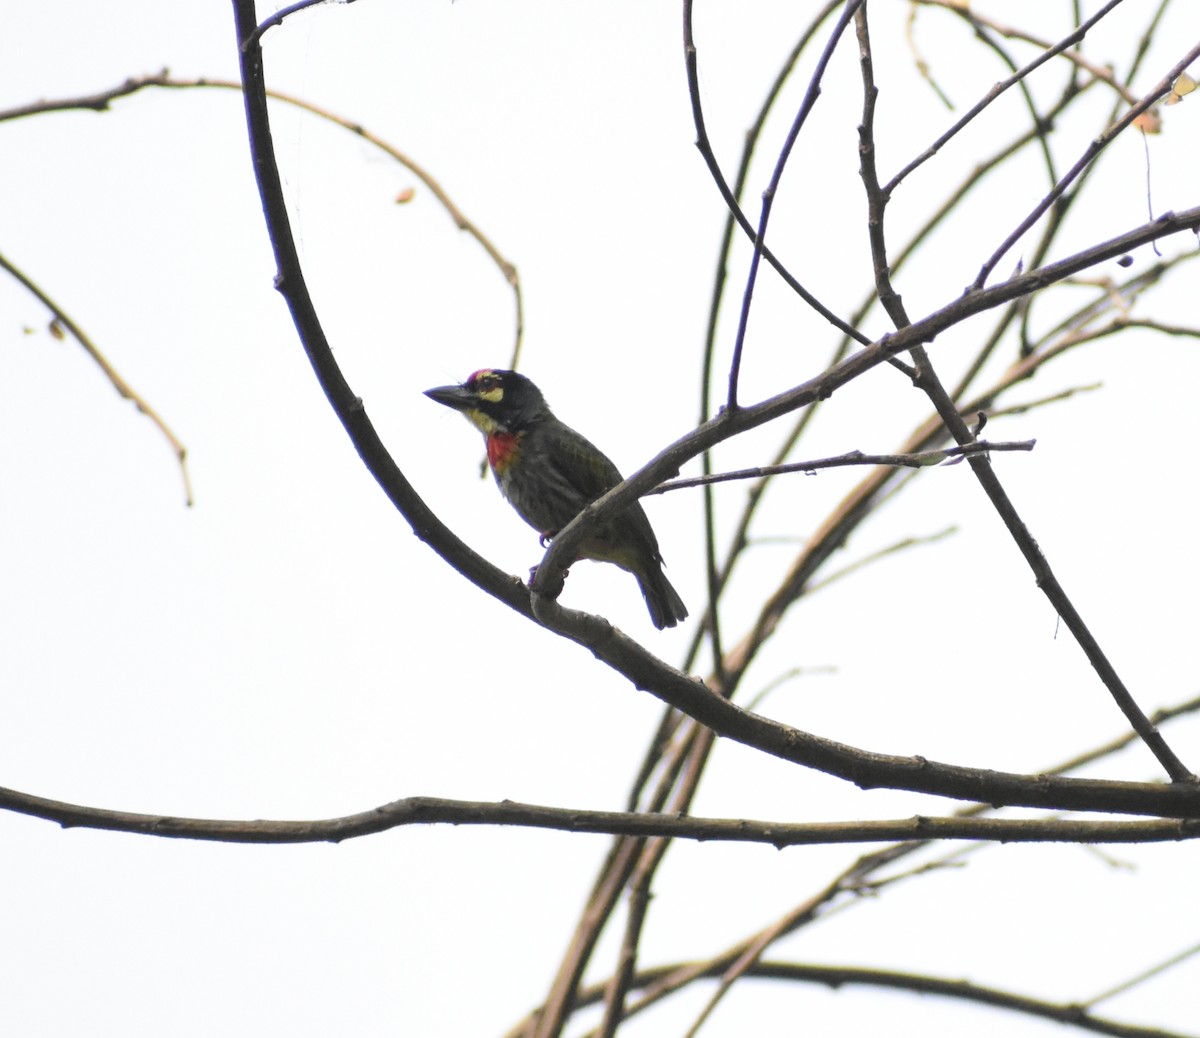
[(458, 397)]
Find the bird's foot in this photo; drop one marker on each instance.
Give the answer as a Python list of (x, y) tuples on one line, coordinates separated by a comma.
[(533, 574)]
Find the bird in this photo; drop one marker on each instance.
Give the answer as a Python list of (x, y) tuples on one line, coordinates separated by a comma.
[(549, 473)]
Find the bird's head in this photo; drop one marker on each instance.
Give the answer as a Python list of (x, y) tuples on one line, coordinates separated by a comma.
[(494, 400)]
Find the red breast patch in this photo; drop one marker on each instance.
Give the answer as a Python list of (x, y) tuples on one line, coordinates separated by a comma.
[(501, 449)]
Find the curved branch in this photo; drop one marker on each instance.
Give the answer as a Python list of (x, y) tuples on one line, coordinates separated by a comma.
[(101, 102), (731, 202), (346, 405), (278, 18)]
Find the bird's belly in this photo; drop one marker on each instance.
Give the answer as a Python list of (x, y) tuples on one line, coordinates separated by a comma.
[(532, 503)]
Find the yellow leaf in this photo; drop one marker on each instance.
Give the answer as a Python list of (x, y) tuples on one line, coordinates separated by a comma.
[(1183, 85)]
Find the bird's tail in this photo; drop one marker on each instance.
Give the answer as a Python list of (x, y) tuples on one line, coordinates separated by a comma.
[(663, 601)]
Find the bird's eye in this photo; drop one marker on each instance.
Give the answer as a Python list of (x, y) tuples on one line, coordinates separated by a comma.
[(488, 382)]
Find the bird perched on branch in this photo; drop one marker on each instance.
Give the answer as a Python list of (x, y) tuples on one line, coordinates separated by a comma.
[(549, 474)]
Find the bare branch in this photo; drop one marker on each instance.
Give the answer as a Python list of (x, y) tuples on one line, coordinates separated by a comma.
[(671, 825), (922, 459), (1142, 977), (1069, 1014), (64, 320), (710, 159), (768, 196), (99, 102), (253, 40)]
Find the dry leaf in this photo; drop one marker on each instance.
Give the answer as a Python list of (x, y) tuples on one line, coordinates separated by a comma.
[(1183, 86), (1149, 121)]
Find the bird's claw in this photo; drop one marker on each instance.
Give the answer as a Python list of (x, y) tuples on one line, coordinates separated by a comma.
[(533, 574)]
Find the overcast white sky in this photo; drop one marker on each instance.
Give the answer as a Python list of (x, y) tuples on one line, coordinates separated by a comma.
[(287, 649)]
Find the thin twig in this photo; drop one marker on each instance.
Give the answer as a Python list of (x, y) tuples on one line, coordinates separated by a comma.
[(768, 195), (731, 202), (882, 553), (639, 902), (922, 459), (253, 40), (1050, 586), (716, 576), (63, 319), (1140, 978)]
